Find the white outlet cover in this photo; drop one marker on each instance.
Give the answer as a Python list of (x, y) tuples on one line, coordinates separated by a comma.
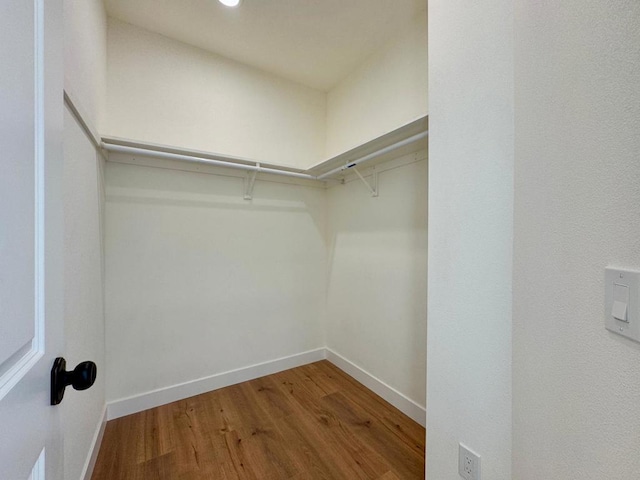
[(631, 279), (468, 463)]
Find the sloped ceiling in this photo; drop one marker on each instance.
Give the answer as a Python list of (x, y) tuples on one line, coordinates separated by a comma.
[(313, 42)]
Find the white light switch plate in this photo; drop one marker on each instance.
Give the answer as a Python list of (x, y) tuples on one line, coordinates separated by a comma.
[(631, 279)]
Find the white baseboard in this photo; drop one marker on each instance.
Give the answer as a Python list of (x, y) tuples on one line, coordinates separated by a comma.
[(403, 403), (138, 403), (90, 463)]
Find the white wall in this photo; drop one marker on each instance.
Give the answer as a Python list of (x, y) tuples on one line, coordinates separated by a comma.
[(163, 91), (470, 236), (577, 210), (387, 91), (85, 59), (377, 274), (200, 281), (82, 412)]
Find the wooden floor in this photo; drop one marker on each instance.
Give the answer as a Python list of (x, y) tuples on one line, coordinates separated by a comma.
[(311, 422)]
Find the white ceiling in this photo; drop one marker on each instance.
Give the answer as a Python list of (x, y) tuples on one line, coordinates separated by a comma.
[(313, 42)]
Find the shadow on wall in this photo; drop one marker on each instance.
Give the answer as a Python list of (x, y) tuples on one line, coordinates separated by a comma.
[(181, 189)]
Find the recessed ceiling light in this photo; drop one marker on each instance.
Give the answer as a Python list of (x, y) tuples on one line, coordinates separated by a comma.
[(230, 3)]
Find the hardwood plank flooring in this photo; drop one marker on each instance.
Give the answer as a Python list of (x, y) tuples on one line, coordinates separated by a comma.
[(311, 422)]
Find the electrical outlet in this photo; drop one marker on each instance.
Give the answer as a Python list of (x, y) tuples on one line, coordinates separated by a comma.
[(468, 463)]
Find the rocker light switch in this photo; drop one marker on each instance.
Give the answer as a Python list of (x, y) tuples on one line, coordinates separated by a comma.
[(620, 302), (622, 306)]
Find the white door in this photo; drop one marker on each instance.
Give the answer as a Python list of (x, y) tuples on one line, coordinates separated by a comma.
[(31, 302)]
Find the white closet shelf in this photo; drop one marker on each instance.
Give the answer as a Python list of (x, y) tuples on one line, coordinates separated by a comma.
[(406, 139), (122, 145)]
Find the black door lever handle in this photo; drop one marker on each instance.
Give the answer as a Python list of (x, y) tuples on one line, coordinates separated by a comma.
[(80, 378)]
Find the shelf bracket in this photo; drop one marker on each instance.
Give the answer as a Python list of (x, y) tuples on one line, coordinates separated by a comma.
[(373, 189), (249, 183)]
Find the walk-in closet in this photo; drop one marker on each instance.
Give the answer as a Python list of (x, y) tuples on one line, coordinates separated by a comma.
[(250, 188)]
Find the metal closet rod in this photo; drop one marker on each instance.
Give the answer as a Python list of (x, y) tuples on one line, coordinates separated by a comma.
[(257, 168), (207, 161)]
